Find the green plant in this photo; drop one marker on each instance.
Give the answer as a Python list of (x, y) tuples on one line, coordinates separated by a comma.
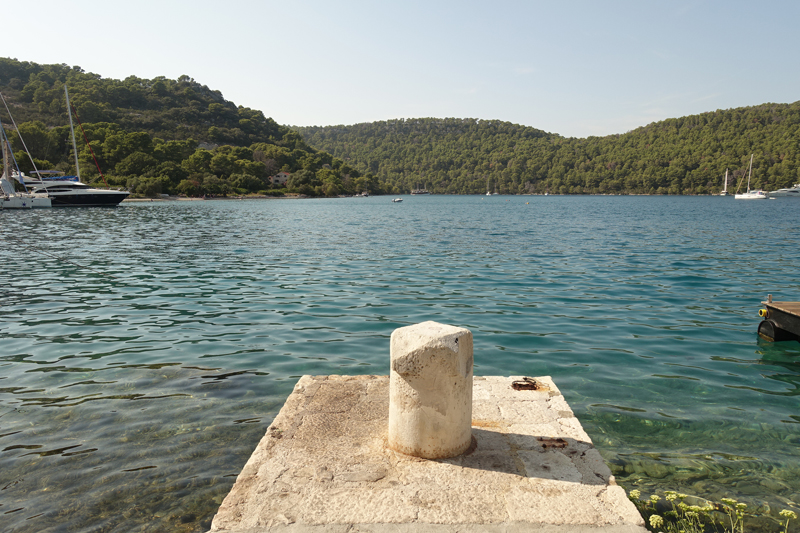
[(736, 513), (686, 518), (788, 515)]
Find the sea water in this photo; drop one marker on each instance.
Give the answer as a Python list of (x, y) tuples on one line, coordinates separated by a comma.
[(145, 349)]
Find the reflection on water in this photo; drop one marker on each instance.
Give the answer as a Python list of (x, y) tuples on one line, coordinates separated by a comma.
[(134, 387)]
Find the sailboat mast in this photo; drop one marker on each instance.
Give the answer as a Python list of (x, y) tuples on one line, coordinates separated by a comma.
[(5, 157), (72, 132), (8, 160), (6, 171), (749, 172), (725, 188)]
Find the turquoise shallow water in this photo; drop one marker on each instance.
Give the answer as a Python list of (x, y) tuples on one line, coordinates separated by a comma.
[(145, 349)]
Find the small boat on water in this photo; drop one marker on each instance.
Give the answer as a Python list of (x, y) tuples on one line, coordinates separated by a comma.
[(10, 198), (790, 192), (397, 200), (756, 194), (781, 320)]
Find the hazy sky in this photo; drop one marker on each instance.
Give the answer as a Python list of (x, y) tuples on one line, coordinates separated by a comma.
[(577, 68)]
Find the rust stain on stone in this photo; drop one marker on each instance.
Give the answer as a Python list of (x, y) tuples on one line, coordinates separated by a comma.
[(473, 445), (527, 383), (476, 423), (550, 442)]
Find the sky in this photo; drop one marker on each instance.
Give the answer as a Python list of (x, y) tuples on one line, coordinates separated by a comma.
[(577, 68)]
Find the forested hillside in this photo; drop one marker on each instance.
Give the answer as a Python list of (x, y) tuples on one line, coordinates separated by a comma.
[(178, 136), (686, 155), (160, 135)]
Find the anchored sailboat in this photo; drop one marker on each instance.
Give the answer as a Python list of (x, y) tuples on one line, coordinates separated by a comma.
[(725, 185), (756, 194), (9, 197)]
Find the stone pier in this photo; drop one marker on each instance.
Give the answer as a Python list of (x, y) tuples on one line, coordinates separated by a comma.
[(325, 465)]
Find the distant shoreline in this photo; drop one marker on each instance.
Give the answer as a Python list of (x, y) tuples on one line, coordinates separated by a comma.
[(188, 199), (302, 197)]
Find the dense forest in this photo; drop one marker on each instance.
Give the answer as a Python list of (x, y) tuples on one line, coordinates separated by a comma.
[(686, 155), (178, 136), (160, 136)]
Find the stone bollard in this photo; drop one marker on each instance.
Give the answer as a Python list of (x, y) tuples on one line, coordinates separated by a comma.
[(430, 390)]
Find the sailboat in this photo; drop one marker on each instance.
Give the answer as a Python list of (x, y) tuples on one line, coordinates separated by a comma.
[(756, 194), (417, 190), (69, 191), (9, 197), (725, 185)]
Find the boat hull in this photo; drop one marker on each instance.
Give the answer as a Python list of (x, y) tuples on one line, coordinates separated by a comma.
[(24, 201), (751, 195), (40, 202), (15, 202), (793, 192), (107, 199), (781, 321)]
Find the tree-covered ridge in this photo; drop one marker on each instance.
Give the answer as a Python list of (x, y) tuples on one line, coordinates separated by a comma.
[(686, 155), (161, 135), (172, 136), (175, 109)]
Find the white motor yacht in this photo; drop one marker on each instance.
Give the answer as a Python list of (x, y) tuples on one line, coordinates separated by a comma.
[(791, 192), (69, 191)]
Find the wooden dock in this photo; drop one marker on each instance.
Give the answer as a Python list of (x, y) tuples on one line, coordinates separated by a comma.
[(781, 321)]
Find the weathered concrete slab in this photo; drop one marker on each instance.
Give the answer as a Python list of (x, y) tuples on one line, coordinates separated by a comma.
[(324, 466)]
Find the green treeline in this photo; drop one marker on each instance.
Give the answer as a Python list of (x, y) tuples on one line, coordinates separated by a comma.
[(161, 136), (178, 136), (686, 155)]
